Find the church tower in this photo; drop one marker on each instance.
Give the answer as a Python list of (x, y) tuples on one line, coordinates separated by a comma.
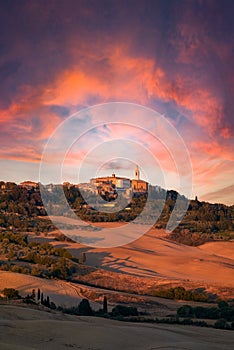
[(137, 173)]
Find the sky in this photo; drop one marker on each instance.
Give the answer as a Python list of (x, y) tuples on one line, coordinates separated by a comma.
[(174, 57)]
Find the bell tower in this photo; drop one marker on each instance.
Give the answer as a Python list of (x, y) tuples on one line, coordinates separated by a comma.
[(137, 173)]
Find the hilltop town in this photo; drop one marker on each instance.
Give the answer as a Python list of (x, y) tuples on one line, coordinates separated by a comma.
[(21, 207)]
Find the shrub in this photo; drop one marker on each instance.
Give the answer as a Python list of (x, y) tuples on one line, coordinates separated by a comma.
[(200, 323), (227, 313), (121, 310), (185, 311), (187, 321), (11, 293), (52, 305), (222, 304), (220, 324), (203, 312), (180, 293)]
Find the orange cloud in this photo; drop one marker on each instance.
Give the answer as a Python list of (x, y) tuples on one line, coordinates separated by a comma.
[(25, 126), (214, 150), (119, 77)]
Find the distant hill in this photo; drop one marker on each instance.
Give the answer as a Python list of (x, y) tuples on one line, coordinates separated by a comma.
[(21, 208)]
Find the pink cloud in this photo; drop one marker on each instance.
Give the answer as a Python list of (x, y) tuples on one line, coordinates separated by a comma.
[(113, 72), (224, 194), (214, 149)]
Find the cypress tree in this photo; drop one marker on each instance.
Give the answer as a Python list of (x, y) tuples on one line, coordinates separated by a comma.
[(105, 308), (83, 257), (33, 294), (38, 294)]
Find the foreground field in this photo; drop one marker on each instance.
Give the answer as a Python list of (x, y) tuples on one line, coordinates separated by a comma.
[(27, 329)]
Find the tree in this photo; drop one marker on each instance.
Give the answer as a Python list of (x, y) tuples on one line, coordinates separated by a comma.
[(38, 294), (185, 311), (121, 310), (222, 304), (42, 298), (33, 294), (52, 305), (83, 257), (84, 308), (105, 307), (11, 255), (11, 293), (220, 324)]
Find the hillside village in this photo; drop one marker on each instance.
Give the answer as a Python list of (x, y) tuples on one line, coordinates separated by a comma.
[(21, 207)]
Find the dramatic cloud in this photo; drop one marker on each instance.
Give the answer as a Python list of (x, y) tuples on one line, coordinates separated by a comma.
[(175, 57)]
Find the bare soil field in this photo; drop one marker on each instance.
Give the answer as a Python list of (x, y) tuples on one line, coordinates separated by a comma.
[(224, 249)]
